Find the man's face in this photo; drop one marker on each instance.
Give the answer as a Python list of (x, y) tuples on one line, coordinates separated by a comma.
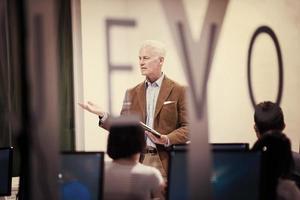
[(150, 63)]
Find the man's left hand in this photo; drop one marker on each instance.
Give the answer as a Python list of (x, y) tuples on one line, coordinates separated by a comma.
[(162, 140)]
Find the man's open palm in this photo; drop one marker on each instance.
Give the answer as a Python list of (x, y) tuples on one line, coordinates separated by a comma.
[(91, 107)]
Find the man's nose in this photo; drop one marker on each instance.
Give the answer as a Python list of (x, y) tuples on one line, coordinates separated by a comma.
[(142, 63)]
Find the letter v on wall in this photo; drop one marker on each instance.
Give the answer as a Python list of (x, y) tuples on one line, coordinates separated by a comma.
[(196, 58)]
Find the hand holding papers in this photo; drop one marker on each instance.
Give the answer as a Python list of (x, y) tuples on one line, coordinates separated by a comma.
[(151, 130)]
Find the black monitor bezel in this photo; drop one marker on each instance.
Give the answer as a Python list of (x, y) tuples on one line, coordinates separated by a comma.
[(101, 181), (233, 145), (10, 165)]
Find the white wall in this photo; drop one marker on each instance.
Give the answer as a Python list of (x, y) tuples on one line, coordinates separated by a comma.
[(229, 106)]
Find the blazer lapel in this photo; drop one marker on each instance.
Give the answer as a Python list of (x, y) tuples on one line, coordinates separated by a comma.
[(164, 92), (142, 100)]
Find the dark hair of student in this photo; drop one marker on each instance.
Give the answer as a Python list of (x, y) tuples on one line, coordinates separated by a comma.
[(125, 141), (268, 116), (277, 161)]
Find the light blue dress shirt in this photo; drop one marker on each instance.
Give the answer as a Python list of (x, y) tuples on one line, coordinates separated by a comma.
[(152, 91)]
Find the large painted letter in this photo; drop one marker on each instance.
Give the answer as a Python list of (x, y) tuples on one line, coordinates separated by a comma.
[(270, 32), (196, 58), (111, 67)]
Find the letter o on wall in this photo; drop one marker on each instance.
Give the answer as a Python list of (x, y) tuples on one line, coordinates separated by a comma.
[(270, 32)]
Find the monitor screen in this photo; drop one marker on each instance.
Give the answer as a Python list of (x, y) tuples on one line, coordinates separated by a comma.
[(5, 171), (81, 175), (236, 175)]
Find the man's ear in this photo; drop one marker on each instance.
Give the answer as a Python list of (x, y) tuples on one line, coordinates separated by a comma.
[(161, 60)]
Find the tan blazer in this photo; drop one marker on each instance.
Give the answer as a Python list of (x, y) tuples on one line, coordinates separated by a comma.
[(170, 116)]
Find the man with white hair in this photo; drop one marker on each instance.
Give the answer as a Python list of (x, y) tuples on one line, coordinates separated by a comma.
[(159, 101)]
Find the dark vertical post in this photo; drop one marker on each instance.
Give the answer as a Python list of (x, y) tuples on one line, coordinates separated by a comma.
[(41, 126)]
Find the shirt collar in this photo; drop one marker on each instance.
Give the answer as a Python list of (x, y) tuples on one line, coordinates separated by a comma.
[(158, 82)]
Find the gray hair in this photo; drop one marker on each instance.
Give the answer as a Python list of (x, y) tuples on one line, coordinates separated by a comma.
[(155, 45)]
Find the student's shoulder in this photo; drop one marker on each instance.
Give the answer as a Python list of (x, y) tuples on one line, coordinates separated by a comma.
[(146, 168), (287, 189), (149, 171)]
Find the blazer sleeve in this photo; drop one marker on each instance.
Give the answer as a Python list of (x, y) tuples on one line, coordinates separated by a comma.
[(125, 109), (126, 103)]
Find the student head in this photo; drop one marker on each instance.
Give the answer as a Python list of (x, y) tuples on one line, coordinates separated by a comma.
[(277, 161), (126, 138), (276, 152), (268, 116), (151, 58)]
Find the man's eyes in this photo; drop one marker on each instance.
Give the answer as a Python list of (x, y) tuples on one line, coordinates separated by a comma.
[(144, 58)]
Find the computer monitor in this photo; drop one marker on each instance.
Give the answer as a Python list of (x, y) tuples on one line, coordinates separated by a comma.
[(6, 155), (177, 188), (236, 175), (81, 175), (230, 146)]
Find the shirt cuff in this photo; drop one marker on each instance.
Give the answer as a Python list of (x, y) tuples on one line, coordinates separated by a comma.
[(103, 118)]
